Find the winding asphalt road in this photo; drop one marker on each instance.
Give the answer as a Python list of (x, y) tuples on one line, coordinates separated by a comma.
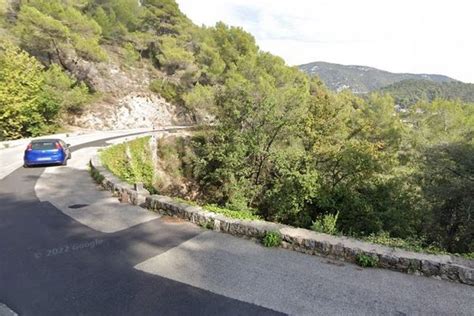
[(53, 264)]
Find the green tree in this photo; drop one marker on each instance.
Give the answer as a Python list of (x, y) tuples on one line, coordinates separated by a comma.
[(173, 56), (63, 90), (201, 101), (111, 28), (448, 185), (21, 83), (442, 136), (53, 30)]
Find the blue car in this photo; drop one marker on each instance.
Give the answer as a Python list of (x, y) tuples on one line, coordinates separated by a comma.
[(46, 152)]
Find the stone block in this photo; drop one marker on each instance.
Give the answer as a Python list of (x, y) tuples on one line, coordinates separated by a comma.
[(430, 268)]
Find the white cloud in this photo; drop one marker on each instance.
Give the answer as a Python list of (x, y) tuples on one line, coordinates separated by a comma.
[(422, 36)]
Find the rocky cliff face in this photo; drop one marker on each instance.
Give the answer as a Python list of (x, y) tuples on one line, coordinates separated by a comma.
[(125, 98), (134, 110)]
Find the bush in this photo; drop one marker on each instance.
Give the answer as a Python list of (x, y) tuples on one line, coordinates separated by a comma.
[(200, 98), (272, 239), (326, 224), (131, 162), (410, 244), (130, 54), (170, 91), (172, 55), (366, 261), (245, 215)]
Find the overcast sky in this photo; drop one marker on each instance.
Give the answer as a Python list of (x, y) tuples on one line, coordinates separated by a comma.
[(420, 36)]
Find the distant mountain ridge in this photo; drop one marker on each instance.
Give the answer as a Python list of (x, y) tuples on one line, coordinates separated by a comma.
[(363, 79)]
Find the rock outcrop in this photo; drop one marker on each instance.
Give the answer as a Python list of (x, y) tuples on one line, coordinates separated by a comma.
[(134, 110), (126, 100)]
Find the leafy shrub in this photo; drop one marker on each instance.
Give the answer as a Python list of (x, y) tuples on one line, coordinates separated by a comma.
[(170, 91), (131, 162), (246, 215), (172, 55), (169, 155), (410, 244), (366, 261), (208, 225), (200, 98), (326, 224), (469, 255), (64, 90), (130, 54), (272, 239)]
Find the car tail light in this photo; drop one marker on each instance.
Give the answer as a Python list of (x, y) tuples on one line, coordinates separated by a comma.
[(58, 146), (30, 147)]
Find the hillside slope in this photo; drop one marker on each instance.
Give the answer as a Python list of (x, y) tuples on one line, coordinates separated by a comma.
[(126, 64), (362, 79), (409, 92)]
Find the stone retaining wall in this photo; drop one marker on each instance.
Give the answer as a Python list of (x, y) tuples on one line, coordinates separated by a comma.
[(297, 239)]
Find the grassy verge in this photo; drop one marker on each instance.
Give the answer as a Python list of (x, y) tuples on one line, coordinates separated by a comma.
[(244, 215), (131, 162), (415, 245)]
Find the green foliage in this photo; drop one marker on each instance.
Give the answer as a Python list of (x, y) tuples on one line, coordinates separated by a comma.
[(130, 54), (167, 89), (171, 154), (53, 28), (200, 98), (409, 92), (448, 186), (207, 225), (212, 65), (128, 13), (410, 244), (326, 224), (173, 56), (367, 261), (443, 141), (115, 159), (244, 214), (131, 162), (272, 239), (32, 98), (21, 82), (4, 6), (62, 89), (165, 18), (236, 214)]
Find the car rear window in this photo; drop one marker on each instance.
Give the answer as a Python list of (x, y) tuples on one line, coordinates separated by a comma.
[(43, 145)]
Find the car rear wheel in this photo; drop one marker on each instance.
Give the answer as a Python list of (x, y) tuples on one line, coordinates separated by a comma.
[(25, 165)]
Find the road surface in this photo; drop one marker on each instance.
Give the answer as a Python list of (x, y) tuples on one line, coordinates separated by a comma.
[(68, 248)]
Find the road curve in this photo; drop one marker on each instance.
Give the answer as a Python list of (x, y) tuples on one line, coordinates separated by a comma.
[(71, 255)]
